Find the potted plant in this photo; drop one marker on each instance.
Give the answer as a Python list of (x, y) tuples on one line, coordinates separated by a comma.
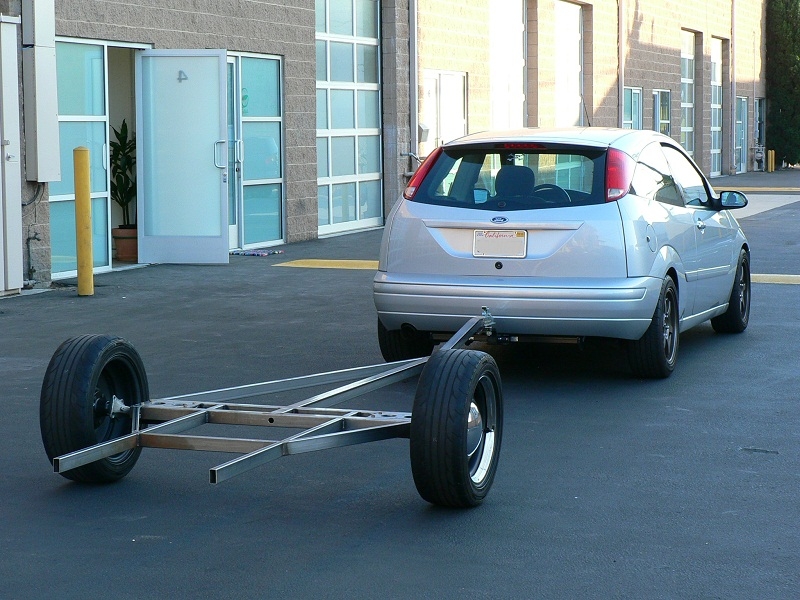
[(123, 191)]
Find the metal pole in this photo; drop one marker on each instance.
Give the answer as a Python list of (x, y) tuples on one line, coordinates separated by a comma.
[(83, 221)]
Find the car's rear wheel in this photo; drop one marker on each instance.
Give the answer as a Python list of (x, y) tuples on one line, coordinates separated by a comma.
[(655, 353), (735, 319), (397, 344)]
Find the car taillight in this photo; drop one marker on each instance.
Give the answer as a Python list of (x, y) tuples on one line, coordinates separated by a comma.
[(420, 174), (619, 174)]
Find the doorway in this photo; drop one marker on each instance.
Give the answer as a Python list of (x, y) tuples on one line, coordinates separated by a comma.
[(740, 150), (189, 208)]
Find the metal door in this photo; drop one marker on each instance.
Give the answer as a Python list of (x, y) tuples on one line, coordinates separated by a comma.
[(182, 156)]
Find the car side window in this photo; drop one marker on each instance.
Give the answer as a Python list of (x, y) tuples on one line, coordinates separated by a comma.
[(688, 178), (652, 177)]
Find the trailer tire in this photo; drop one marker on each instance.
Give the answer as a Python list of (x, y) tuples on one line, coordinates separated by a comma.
[(76, 400), (456, 428)]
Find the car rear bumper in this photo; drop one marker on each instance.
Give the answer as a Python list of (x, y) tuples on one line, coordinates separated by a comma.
[(618, 308)]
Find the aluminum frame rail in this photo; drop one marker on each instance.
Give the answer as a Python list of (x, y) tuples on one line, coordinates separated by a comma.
[(166, 421)]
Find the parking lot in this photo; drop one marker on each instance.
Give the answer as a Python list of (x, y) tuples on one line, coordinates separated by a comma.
[(608, 486)]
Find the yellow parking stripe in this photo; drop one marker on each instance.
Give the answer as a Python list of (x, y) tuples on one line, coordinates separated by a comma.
[(313, 263), (784, 279)]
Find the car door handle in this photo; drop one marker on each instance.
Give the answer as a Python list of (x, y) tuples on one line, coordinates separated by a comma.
[(700, 225)]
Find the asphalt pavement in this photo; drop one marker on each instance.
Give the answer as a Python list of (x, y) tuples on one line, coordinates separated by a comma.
[(608, 487)]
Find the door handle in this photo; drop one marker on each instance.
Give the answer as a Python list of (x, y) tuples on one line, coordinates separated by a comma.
[(218, 155), (239, 151)]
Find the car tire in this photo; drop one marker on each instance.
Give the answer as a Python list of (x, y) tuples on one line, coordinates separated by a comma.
[(76, 399), (654, 354), (456, 428), (397, 345), (735, 319)]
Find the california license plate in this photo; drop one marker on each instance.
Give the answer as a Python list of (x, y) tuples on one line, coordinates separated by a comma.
[(500, 243)]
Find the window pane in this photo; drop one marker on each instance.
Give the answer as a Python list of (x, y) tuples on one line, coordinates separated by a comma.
[(91, 135), (341, 61), (322, 157), (369, 199), (344, 202), (323, 210), (343, 156), (319, 10), (664, 115), (367, 15), (367, 63), (64, 238), (341, 16), (262, 213), (260, 88), (322, 61), (322, 109), (80, 77), (369, 154), (342, 109), (368, 109), (262, 150)]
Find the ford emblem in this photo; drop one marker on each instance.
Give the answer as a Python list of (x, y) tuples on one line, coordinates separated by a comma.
[(499, 220)]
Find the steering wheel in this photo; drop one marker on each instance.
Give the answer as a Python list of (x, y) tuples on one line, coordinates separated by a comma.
[(559, 191)]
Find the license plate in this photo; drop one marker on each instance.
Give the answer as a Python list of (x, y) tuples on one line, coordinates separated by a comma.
[(500, 243)]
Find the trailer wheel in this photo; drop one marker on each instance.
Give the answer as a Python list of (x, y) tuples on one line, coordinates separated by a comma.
[(456, 428), (77, 405)]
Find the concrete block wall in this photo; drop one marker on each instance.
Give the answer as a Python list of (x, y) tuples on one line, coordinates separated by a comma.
[(396, 98), (454, 36)]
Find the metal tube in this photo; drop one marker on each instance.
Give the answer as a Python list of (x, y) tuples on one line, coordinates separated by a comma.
[(94, 453), (462, 336), (282, 385), (83, 221), (404, 370)]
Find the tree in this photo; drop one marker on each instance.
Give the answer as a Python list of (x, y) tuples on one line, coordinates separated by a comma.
[(783, 79)]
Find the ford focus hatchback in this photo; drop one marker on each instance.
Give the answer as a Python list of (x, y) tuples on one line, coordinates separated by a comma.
[(562, 235)]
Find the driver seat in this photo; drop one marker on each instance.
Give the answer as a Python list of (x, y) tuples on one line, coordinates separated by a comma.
[(514, 181)]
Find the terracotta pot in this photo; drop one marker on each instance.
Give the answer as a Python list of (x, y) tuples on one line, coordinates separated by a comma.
[(126, 242)]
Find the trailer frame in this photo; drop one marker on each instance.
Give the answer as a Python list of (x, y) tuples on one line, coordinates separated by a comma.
[(167, 423)]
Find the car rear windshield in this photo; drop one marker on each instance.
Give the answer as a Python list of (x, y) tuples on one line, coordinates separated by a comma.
[(514, 176)]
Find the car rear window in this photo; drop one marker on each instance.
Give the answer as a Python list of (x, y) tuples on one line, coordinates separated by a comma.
[(515, 177)]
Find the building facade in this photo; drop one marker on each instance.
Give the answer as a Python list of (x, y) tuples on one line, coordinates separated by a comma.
[(266, 122)]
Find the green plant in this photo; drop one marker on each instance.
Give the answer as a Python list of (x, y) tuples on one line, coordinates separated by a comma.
[(123, 172)]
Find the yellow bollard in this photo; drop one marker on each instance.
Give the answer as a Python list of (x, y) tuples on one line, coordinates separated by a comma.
[(83, 221), (770, 161)]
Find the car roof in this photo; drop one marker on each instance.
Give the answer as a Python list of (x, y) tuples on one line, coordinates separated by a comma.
[(629, 140)]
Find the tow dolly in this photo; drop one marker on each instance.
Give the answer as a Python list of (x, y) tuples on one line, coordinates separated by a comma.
[(96, 415)]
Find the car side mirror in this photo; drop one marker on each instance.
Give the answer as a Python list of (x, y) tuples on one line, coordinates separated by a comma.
[(732, 199)]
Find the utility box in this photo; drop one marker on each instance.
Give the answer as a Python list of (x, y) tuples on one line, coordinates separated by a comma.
[(10, 169), (42, 148)]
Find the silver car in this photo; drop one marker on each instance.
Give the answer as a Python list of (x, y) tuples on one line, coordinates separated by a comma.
[(562, 234)]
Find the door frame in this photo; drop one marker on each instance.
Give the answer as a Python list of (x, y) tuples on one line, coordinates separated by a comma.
[(740, 127)]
